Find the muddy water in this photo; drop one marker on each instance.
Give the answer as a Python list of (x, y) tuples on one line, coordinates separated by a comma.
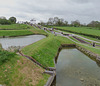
[(76, 69), (20, 41)]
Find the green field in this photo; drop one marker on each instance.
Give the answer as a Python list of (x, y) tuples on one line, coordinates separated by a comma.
[(14, 27), (82, 30)]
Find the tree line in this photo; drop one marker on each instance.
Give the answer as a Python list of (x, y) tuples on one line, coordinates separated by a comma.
[(4, 21), (61, 22)]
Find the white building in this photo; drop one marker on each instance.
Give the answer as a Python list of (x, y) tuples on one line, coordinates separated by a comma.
[(32, 21)]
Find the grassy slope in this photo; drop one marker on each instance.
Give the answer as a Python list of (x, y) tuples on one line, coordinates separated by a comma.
[(15, 71), (14, 27), (20, 71), (91, 38), (83, 30), (38, 31), (15, 32), (21, 32), (46, 49)]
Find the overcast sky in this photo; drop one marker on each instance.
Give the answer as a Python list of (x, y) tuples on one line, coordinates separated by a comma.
[(82, 10)]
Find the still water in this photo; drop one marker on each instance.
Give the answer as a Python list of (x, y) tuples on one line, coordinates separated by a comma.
[(74, 68), (20, 41)]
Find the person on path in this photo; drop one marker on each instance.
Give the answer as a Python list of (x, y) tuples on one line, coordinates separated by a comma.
[(93, 44)]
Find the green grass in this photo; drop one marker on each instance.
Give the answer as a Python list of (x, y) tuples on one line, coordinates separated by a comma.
[(88, 37), (14, 27), (46, 49), (82, 30), (91, 48), (38, 31), (5, 56), (16, 70), (88, 41), (21, 32), (15, 32), (94, 39), (7, 59), (43, 81), (74, 39)]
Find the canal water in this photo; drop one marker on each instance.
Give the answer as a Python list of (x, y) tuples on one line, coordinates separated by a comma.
[(74, 68), (20, 41)]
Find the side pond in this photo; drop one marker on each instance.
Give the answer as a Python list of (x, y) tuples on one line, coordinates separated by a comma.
[(20, 41)]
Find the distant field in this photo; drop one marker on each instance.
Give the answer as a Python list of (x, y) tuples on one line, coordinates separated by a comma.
[(15, 32), (14, 27), (82, 30)]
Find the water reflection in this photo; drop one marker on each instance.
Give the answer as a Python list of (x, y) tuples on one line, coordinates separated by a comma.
[(20, 41), (74, 68)]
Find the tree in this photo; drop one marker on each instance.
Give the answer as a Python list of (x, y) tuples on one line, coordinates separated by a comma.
[(55, 21), (42, 23), (50, 21), (94, 24), (4, 21), (60, 22), (75, 23), (13, 20), (66, 23)]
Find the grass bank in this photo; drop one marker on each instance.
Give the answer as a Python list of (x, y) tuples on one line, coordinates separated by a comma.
[(19, 71), (14, 27), (15, 32), (95, 50), (46, 49), (38, 31), (82, 30), (12, 33), (88, 37)]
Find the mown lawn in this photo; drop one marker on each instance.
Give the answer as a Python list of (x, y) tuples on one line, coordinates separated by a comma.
[(46, 49)]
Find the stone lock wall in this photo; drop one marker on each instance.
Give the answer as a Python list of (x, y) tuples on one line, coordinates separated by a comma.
[(89, 53)]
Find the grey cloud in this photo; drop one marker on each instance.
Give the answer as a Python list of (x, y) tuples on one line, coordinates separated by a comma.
[(83, 10)]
